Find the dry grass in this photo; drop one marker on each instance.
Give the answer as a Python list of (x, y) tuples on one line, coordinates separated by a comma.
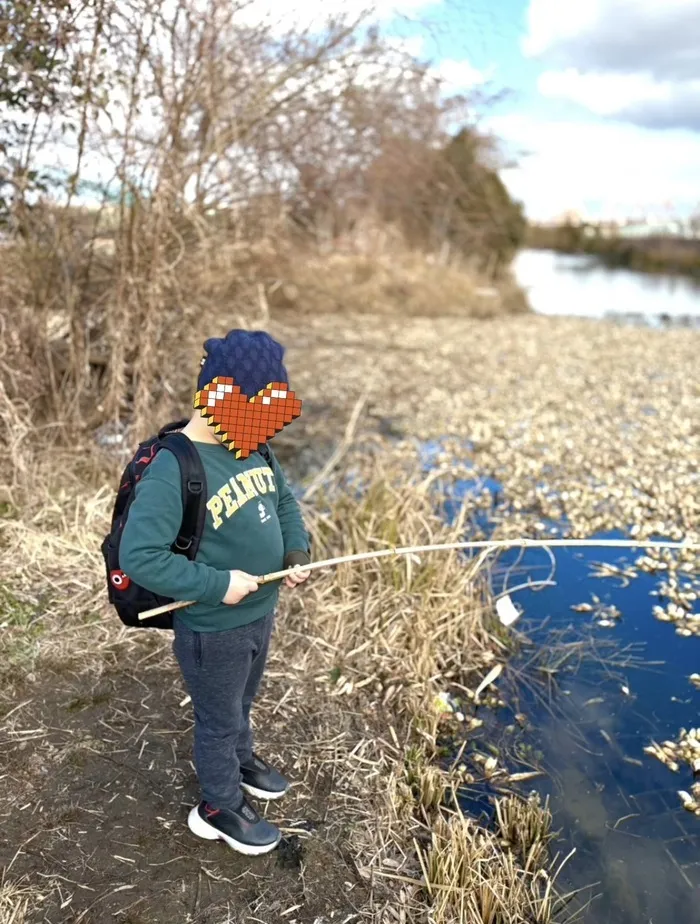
[(471, 879), (376, 642), (360, 655), (525, 827), (401, 633), (92, 345), (423, 620), (390, 279), (16, 901), (594, 424)]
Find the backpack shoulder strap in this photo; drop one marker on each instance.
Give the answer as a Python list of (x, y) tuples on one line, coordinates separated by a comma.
[(172, 427), (194, 490), (266, 453)]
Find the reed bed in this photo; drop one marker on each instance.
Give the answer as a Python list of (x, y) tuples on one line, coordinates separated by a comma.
[(365, 651), (404, 632), (472, 879)]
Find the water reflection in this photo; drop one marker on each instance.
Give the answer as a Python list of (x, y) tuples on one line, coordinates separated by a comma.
[(584, 700), (563, 284), (617, 806)]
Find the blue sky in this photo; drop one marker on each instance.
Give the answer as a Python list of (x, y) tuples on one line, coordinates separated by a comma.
[(474, 31), (601, 114), (603, 103)]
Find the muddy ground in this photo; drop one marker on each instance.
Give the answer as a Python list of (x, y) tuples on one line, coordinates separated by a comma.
[(97, 781)]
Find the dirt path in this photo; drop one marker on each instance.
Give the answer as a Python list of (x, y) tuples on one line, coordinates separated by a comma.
[(94, 803)]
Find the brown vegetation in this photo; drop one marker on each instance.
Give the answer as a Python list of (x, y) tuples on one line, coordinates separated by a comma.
[(233, 163), (91, 719), (656, 253), (361, 652), (307, 183)]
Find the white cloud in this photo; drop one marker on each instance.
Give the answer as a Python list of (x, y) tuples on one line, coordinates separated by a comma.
[(604, 94), (598, 167), (635, 59), (659, 35), (458, 75), (636, 97), (551, 22)]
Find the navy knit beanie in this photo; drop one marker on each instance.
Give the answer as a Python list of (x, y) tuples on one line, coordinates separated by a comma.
[(252, 358)]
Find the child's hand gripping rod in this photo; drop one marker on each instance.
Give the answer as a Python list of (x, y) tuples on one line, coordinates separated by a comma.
[(445, 547), (265, 579)]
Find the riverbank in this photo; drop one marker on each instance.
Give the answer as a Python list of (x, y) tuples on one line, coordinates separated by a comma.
[(586, 423), (653, 254), (97, 732)]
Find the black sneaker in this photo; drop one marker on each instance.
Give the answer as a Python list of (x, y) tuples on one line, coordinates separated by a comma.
[(261, 780), (243, 830)]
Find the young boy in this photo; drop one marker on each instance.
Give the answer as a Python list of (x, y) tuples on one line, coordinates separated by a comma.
[(253, 526)]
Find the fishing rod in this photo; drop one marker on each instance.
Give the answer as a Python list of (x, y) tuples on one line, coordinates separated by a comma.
[(443, 547)]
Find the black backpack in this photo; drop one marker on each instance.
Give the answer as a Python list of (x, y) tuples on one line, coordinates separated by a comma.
[(129, 598)]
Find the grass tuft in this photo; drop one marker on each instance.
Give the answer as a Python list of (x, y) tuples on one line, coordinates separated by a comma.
[(16, 902), (472, 880), (525, 827)]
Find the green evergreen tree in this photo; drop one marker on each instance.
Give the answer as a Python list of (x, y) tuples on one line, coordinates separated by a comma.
[(483, 207)]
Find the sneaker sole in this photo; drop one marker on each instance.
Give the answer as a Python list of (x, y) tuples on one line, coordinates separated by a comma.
[(264, 795), (208, 832)]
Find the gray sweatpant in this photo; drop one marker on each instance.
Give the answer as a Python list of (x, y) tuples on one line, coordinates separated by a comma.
[(222, 672)]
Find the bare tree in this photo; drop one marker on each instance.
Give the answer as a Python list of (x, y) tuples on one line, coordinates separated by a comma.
[(217, 140)]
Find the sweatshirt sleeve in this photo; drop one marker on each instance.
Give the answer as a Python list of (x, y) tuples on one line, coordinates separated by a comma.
[(294, 533), (153, 523)]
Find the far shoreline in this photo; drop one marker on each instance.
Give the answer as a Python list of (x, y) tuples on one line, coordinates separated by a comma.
[(654, 255)]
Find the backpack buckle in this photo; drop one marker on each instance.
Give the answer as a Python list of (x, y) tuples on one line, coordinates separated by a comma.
[(194, 487), (182, 544)]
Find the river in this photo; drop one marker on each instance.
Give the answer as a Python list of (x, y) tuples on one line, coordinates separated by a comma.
[(578, 285), (595, 691), (636, 848)]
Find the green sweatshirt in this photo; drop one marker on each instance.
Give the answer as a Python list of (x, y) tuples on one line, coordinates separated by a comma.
[(252, 522)]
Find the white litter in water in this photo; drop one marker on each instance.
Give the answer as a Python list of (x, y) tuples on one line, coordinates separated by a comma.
[(492, 675), (507, 611)]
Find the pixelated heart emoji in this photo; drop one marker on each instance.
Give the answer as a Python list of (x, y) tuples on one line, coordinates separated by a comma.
[(244, 424)]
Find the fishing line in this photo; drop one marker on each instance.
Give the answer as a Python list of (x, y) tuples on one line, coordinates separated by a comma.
[(446, 547)]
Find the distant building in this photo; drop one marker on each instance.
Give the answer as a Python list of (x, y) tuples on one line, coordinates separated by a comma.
[(651, 227), (639, 226)]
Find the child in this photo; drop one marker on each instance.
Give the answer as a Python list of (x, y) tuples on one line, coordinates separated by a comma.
[(253, 526)]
